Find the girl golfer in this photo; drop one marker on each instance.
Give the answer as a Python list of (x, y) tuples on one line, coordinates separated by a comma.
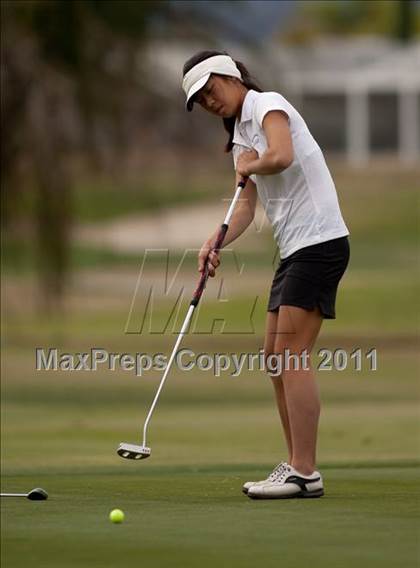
[(275, 152)]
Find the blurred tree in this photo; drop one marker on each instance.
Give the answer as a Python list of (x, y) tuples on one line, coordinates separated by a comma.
[(405, 28), (397, 18), (68, 68)]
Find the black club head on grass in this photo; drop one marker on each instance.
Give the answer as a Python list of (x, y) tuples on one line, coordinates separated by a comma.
[(37, 494)]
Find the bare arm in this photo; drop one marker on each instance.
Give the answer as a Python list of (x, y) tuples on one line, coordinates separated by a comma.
[(242, 217)]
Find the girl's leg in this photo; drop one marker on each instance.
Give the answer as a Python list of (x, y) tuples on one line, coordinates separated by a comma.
[(297, 330), (270, 337)]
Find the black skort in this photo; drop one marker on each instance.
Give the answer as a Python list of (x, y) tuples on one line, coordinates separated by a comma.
[(310, 277)]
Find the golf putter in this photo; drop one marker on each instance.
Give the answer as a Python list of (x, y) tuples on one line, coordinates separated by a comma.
[(37, 494), (133, 451)]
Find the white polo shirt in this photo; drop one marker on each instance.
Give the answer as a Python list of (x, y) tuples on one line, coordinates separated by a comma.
[(301, 201)]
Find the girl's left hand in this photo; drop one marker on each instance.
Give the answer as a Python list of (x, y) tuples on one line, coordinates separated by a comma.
[(243, 160)]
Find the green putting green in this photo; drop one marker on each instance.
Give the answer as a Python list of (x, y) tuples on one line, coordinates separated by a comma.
[(197, 516)]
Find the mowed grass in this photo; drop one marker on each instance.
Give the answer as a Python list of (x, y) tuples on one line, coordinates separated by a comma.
[(184, 506), (77, 418), (194, 516)]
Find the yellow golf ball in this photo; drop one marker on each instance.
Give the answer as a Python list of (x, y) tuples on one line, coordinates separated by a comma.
[(116, 516)]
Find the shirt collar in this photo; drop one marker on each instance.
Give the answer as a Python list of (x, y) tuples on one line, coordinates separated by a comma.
[(239, 135), (247, 106)]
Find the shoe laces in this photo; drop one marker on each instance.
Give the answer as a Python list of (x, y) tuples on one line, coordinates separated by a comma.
[(277, 472), (284, 473)]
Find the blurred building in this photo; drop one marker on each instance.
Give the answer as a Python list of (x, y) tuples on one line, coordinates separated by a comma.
[(359, 96)]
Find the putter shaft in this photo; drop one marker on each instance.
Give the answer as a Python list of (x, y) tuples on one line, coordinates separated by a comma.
[(194, 302), (37, 494)]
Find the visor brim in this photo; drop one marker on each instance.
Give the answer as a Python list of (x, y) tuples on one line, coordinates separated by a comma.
[(194, 90)]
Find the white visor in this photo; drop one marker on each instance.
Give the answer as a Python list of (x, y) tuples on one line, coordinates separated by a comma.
[(198, 76)]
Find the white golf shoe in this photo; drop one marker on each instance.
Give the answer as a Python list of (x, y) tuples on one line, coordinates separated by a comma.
[(289, 483), (272, 477)]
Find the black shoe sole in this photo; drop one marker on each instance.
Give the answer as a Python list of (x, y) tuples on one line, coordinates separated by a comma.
[(300, 495)]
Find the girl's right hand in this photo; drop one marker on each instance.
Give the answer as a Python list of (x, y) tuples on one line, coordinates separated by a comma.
[(213, 259)]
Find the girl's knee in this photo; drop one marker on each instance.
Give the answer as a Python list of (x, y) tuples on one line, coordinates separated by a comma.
[(286, 357), (272, 364)]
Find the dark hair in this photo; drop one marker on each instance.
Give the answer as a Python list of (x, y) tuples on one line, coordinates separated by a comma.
[(247, 80)]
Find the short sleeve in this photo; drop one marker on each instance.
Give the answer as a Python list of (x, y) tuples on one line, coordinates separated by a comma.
[(270, 101), (236, 151)]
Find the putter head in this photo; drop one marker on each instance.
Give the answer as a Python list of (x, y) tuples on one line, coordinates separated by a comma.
[(133, 452), (37, 494)]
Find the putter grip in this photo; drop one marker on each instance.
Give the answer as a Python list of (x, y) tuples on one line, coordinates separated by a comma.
[(204, 277), (219, 241)]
